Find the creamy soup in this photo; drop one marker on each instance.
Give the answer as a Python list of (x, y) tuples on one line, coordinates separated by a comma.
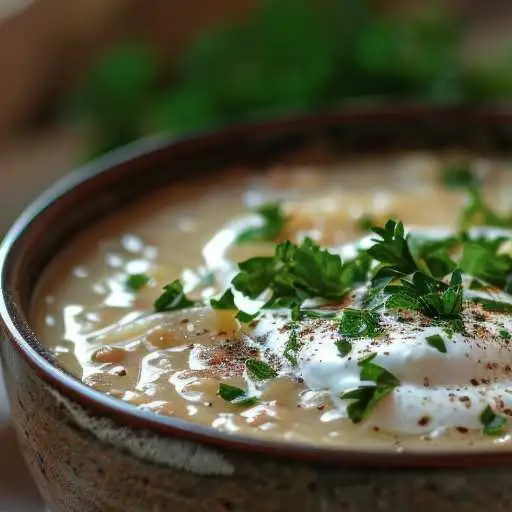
[(259, 304)]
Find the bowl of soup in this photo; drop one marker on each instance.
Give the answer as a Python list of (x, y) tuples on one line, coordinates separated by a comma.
[(309, 314)]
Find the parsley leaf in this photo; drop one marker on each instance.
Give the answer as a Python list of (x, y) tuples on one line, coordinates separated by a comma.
[(495, 306), (292, 346), (375, 373), (226, 301), (433, 256), (494, 424), (458, 176), (173, 298), (478, 212), (429, 296), (437, 342), (235, 395), (366, 397), (298, 272), (365, 223), (359, 323), (135, 282), (255, 276), (312, 313), (392, 250), (344, 347), (481, 260), (244, 317), (273, 222), (259, 370), (505, 334)]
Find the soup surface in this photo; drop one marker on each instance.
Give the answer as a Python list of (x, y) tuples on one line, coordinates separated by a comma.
[(336, 337)]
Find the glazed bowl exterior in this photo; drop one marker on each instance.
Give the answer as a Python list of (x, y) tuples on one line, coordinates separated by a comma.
[(89, 452)]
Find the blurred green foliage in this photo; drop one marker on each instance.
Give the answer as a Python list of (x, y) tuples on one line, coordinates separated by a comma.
[(291, 56)]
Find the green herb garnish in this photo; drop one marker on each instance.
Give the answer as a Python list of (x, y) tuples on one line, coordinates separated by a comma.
[(480, 259), (173, 298), (433, 256), (235, 396), (314, 313), (135, 282), (299, 272), (259, 370), (273, 219), (458, 176), (495, 306), (246, 318), (365, 223), (437, 342), (429, 296), (344, 347), (359, 323), (373, 372), (505, 334), (292, 346), (366, 397), (226, 301), (478, 212), (494, 424), (392, 250)]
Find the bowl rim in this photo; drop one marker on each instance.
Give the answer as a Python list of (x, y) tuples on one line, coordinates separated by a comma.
[(128, 415)]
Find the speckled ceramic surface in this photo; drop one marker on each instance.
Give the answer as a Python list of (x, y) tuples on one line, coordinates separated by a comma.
[(88, 452)]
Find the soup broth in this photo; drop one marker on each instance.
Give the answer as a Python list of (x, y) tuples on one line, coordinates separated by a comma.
[(95, 308)]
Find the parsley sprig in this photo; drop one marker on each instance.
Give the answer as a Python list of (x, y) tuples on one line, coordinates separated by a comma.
[(392, 250), (235, 395), (493, 424), (273, 222), (367, 396), (173, 298), (299, 272), (429, 296)]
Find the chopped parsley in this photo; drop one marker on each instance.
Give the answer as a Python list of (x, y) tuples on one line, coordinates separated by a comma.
[(359, 323), (259, 370), (235, 396), (478, 212), (292, 346), (495, 306), (505, 334), (437, 342), (313, 313), (458, 176), (481, 260), (392, 250), (246, 318), (367, 396), (373, 372), (433, 257), (493, 424), (344, 347), (226, 301), (273, 221), (136, 282), (173, 298), (430, 296), (365, 223), (299, 272)]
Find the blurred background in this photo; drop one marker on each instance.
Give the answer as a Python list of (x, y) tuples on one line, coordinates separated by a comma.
[(80, 77)]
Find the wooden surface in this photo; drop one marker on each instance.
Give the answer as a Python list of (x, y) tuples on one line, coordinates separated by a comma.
[(26, 167)]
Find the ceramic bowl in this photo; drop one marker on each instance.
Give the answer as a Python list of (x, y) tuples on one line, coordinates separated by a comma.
[(89, 452)]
